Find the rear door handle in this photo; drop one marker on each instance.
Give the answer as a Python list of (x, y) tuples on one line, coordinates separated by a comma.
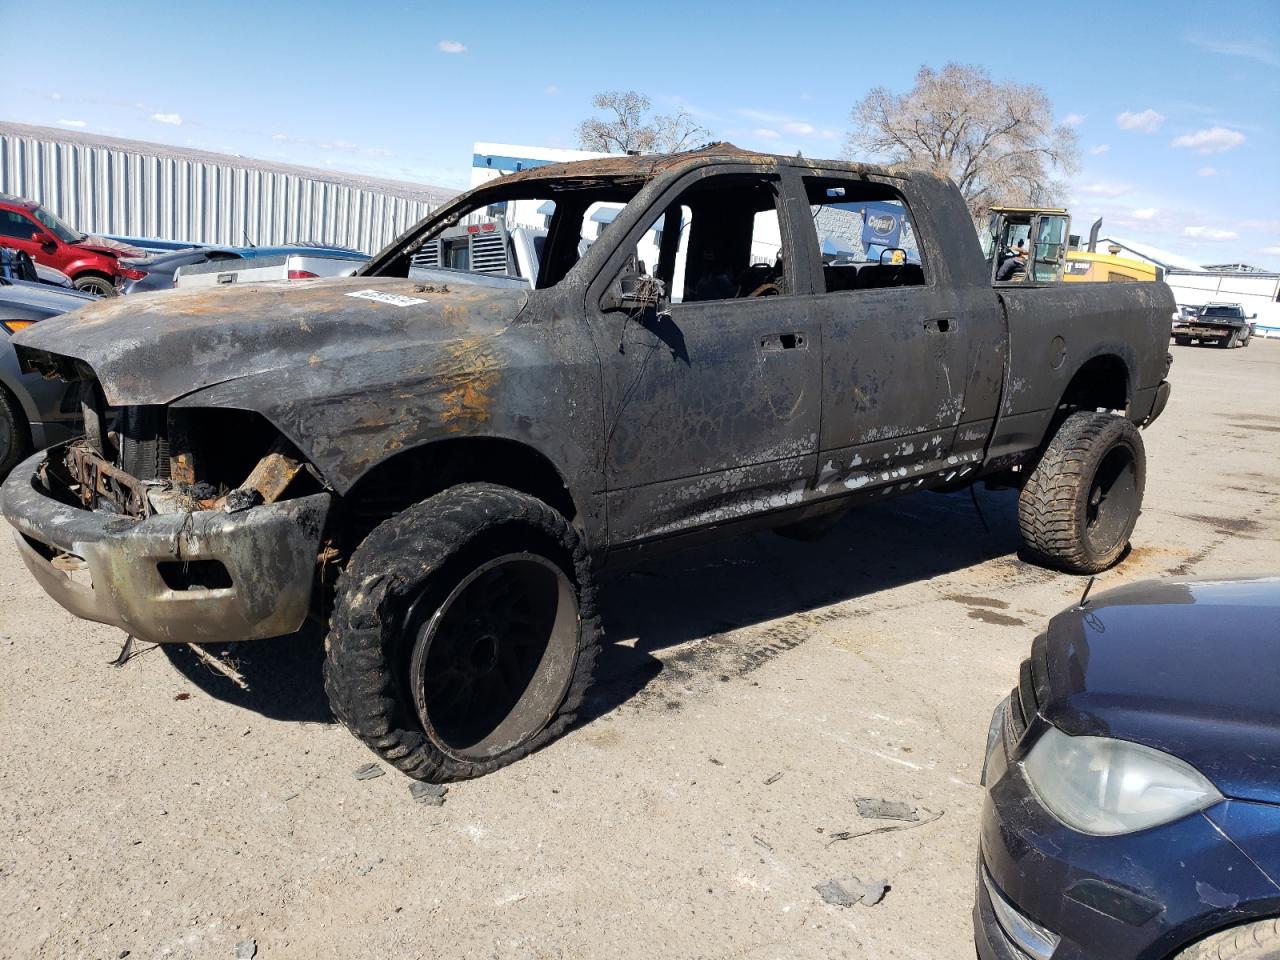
[(940, 324), (782, 341)]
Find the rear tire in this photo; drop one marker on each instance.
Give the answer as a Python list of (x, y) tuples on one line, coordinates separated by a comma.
[(15, 436), (1080, 503), (464, 633), (1182, 341), (1259, 940), (95, 283)]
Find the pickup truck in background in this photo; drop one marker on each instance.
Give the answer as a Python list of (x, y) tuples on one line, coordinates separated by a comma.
[(258, 264), (160, 269), (438, 470), (1221, 324)]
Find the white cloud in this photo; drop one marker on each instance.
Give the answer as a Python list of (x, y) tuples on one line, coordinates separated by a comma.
[(55, 96), (1274, 251), (1269, 226), (764, 133), (827, 134), (451, 46), (551, 90), (78, 124), (777, 121), (1100, 149), (171, 118), (1148, 121), (1073, 119), (1145, 213), (1248, 49), (279, 137), (1106, 189), (1207, 172), (1210, 140), (1208, 233)]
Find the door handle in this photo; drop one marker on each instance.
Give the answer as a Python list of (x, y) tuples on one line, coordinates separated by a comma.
[(940, 324), (775, 342)]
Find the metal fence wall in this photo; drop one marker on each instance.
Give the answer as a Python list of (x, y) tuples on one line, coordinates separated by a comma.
[(107, 190)]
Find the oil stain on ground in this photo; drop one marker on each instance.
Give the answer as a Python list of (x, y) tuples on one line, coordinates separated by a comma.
[(990, 616)]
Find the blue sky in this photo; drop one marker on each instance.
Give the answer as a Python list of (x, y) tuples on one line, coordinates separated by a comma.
[(1177, 104)]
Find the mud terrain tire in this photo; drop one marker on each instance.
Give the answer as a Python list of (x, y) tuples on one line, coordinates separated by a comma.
[(1080, 503), (464, 633)]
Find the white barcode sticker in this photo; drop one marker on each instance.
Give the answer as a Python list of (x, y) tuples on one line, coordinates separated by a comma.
[(395, 299)]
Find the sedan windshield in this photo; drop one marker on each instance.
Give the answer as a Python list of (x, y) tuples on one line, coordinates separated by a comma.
[(57, 227)]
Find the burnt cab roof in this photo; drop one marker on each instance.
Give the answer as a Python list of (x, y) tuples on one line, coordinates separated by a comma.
[(639, 168)]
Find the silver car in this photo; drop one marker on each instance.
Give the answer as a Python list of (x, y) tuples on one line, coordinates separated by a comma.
[(34, 412)]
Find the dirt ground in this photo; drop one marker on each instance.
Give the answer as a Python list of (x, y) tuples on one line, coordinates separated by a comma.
[(159, 809)]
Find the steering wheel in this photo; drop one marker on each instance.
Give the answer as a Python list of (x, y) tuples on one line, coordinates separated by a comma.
[(759, 280)]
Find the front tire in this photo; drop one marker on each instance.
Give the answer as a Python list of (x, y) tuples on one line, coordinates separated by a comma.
[(464, 633), (15, 438), (1259, 940), (1080, 503)]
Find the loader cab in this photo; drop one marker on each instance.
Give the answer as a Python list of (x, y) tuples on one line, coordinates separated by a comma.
[(1026, 244)]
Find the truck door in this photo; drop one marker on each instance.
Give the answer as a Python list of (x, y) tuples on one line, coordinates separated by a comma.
[(893, 335), (711, 403)]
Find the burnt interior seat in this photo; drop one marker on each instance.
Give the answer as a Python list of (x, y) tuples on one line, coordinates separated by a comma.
[(841, 277), (878, 276)]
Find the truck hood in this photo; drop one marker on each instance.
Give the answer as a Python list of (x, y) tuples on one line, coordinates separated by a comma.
[(1185, 666), (154, 348)]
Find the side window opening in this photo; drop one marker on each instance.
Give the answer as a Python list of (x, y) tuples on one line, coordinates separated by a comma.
[(719, 240), (866, 238)]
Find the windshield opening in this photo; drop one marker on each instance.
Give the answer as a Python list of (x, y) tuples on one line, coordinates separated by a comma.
[(528, 234), (57, 227)]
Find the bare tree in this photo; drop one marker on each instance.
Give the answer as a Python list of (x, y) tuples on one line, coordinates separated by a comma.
[(997, 141), (629, 126)]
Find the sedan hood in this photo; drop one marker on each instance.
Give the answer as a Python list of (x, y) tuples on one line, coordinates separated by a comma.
[(154, 348), (1188, 667)]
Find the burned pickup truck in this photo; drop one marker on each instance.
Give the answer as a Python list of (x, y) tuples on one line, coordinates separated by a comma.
[(437, 469)]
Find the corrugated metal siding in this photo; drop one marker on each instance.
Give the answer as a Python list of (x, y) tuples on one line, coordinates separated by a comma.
[(106, 190)]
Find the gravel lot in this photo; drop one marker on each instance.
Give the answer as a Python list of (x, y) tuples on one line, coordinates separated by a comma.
[(159, 809)]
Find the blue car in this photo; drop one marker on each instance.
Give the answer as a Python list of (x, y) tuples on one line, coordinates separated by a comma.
[(1132, 805)]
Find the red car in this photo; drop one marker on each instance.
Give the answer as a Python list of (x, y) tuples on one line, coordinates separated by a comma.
[(92, 263)]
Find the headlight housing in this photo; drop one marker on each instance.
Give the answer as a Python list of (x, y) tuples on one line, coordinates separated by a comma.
[(1102, 786)]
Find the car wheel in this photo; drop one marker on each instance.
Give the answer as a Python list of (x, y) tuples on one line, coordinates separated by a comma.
[(93, 283), (1249, 941), (1182, 341), (464, 633), (15, 440), (1080, 503), (1226, 343)]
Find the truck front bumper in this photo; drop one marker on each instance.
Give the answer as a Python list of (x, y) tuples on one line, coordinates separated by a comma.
[(200, 577)]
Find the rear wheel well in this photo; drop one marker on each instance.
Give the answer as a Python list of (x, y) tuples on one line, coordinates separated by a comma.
[(1101, 383), (92, 273), (413, 475)]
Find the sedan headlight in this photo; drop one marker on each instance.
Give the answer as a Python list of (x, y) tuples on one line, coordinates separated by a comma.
[(1105, 787)]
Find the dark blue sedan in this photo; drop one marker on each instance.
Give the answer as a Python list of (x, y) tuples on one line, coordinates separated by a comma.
[(1132, 807)]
